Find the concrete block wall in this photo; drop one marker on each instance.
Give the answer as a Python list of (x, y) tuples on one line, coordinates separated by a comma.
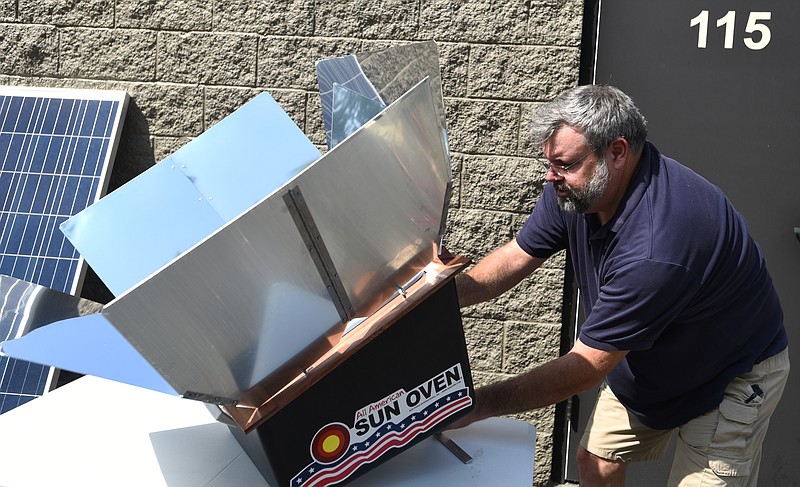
[(189, 63)]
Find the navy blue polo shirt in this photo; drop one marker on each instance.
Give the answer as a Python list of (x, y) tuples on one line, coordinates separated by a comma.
[(675, 278)]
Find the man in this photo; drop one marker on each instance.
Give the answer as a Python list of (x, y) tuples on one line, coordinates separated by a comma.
[(682, 321)]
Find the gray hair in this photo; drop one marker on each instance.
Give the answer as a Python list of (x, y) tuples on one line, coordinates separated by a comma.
[(601, 112)]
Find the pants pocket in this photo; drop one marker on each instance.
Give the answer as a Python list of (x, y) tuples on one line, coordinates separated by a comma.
[(728, 452), (729, 467)]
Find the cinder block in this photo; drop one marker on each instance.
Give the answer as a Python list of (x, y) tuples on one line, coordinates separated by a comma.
[(474, 21), (530, 344), (288, 62), (182, 15), (214, 59), (392, 19), (555, 23), (482, 126), (266, 17), (501, 183), (456, 165), (168, 110), (537, 298), (166, 146), (314, 125), (484, 343), (474, 233), (527, 148), (525, 73), (119, 54), (454, 64), (76, 13), (8, 11), (29, 50)]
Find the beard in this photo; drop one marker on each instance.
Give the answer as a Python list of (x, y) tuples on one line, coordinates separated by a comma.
[(581, 200)]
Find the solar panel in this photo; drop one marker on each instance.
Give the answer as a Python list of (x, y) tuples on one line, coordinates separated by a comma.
[(56, 147)]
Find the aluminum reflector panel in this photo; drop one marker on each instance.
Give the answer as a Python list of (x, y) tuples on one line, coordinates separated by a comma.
[(350, 111), (346, 72), (382, 76), (56, 149), (249, 295), (84, 341), (146, 223), (378, 199), (231, 310)]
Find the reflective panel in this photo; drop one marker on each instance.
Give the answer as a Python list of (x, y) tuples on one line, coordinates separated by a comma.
[(396, 70), (27, 306), (378, 198), (346, 72), (382, 76), (89, 345), (233, 309), (149, 221), (350, 112), (140, 227), (246, 156)]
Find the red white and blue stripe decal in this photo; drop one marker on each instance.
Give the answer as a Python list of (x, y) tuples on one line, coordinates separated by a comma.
[(368, 441)]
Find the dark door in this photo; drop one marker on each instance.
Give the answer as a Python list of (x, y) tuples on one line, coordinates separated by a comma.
[(719, 83)]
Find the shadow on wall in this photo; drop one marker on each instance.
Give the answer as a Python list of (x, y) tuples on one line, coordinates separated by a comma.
[(135, 154)]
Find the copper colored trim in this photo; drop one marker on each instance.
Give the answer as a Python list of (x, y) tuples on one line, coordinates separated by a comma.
[(267, 397)]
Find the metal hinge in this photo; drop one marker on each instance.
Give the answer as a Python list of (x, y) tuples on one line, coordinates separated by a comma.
[(210, 398), (304, 221)]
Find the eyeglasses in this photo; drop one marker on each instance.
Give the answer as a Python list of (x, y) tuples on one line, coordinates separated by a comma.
[(563, 170)]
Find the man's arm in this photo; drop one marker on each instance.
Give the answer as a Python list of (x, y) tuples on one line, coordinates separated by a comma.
[(495, 274), (557, 380)]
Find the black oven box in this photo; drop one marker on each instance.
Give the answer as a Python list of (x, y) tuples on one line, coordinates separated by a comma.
[(409, 378)]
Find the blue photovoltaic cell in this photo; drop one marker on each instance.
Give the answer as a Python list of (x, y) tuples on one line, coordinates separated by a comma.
[(55, 150)]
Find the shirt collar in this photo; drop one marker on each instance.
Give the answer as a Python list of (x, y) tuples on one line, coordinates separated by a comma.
[(637, 187)]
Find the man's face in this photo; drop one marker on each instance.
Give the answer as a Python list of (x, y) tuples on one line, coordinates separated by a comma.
[(584, 181)]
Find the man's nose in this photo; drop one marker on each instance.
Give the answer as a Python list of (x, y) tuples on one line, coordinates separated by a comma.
[(551, 175)]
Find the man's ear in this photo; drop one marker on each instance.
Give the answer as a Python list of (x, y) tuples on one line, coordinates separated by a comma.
[(620, 150)]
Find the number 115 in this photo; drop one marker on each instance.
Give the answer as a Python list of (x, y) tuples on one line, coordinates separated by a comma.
[(754, 24)]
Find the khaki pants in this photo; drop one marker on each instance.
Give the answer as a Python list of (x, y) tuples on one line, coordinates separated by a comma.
[(719, 448)]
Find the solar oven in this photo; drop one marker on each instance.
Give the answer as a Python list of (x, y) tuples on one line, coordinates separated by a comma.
[(241, 263)]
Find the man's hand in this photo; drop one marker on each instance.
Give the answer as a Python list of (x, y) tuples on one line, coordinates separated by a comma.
[(478, 413)]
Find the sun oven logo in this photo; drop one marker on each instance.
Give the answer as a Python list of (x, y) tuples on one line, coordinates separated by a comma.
[(392, 422)]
